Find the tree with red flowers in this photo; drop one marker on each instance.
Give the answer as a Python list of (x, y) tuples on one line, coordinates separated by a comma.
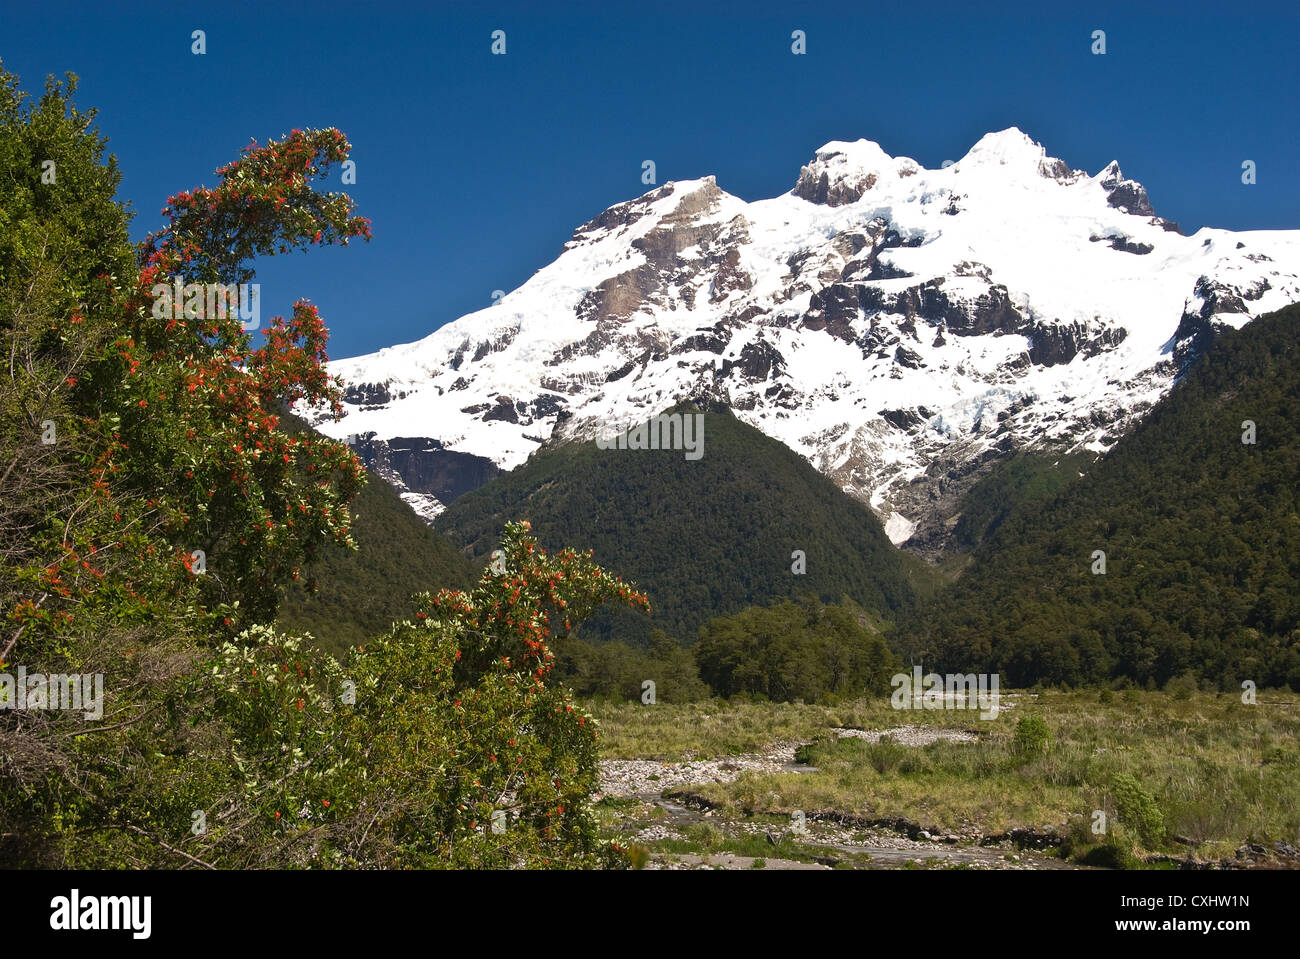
[(152, 506), (256, 498), (152, 501)]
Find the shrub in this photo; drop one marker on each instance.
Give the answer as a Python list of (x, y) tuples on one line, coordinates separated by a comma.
[(1111, 854), (1138, 809), (459, 718), (1033, 738), (1201, 820), (1181, 687), (886, 755)]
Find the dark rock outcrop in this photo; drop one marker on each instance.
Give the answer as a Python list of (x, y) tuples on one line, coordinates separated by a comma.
[(758, 360), (1054, 343), (425, 466), (504, 410), (1124, 244), (1128, 196), (367, 395), (833, 309), (1197, 329), (817, 187)]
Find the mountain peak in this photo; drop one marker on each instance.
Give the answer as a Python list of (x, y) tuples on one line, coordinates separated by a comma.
[(867, 154), (1014, 149), (1010, 147), (1006, 142), (1111, 173), (1127, 196), (842, 171), (877, 319)]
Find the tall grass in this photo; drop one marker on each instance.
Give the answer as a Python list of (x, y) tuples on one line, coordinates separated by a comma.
[(1218, 772)]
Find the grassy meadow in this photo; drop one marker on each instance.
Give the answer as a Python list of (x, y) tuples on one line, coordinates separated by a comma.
[(1175, 773)]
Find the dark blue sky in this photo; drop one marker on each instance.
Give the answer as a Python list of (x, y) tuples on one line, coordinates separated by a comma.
[(476, 168)]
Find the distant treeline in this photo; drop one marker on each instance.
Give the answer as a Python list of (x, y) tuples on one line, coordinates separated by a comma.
[(787, 651)]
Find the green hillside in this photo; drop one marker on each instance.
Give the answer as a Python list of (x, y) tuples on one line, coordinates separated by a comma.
[(703, 538), (362, 593), (1013, 484), (1201, 534)]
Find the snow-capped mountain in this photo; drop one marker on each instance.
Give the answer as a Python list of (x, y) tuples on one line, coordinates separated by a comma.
[(903, 328)]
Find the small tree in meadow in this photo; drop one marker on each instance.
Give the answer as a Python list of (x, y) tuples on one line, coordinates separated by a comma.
[(1033, 737)]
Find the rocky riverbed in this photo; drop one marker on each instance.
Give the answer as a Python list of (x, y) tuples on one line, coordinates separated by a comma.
[(649, 777), (666, 809)]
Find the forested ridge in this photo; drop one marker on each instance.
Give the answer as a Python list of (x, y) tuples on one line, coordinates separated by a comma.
[(1201, 536), (702, 537)]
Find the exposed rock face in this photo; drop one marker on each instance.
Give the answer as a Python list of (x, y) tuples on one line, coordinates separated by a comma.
[(1206, 315), (759, 361), (428, 475), (1051, 345), (1124, 244), (834, 309), (816, 185), (426, 465), (934, 496), (1127, 196), (902, 328), (367, 395)]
